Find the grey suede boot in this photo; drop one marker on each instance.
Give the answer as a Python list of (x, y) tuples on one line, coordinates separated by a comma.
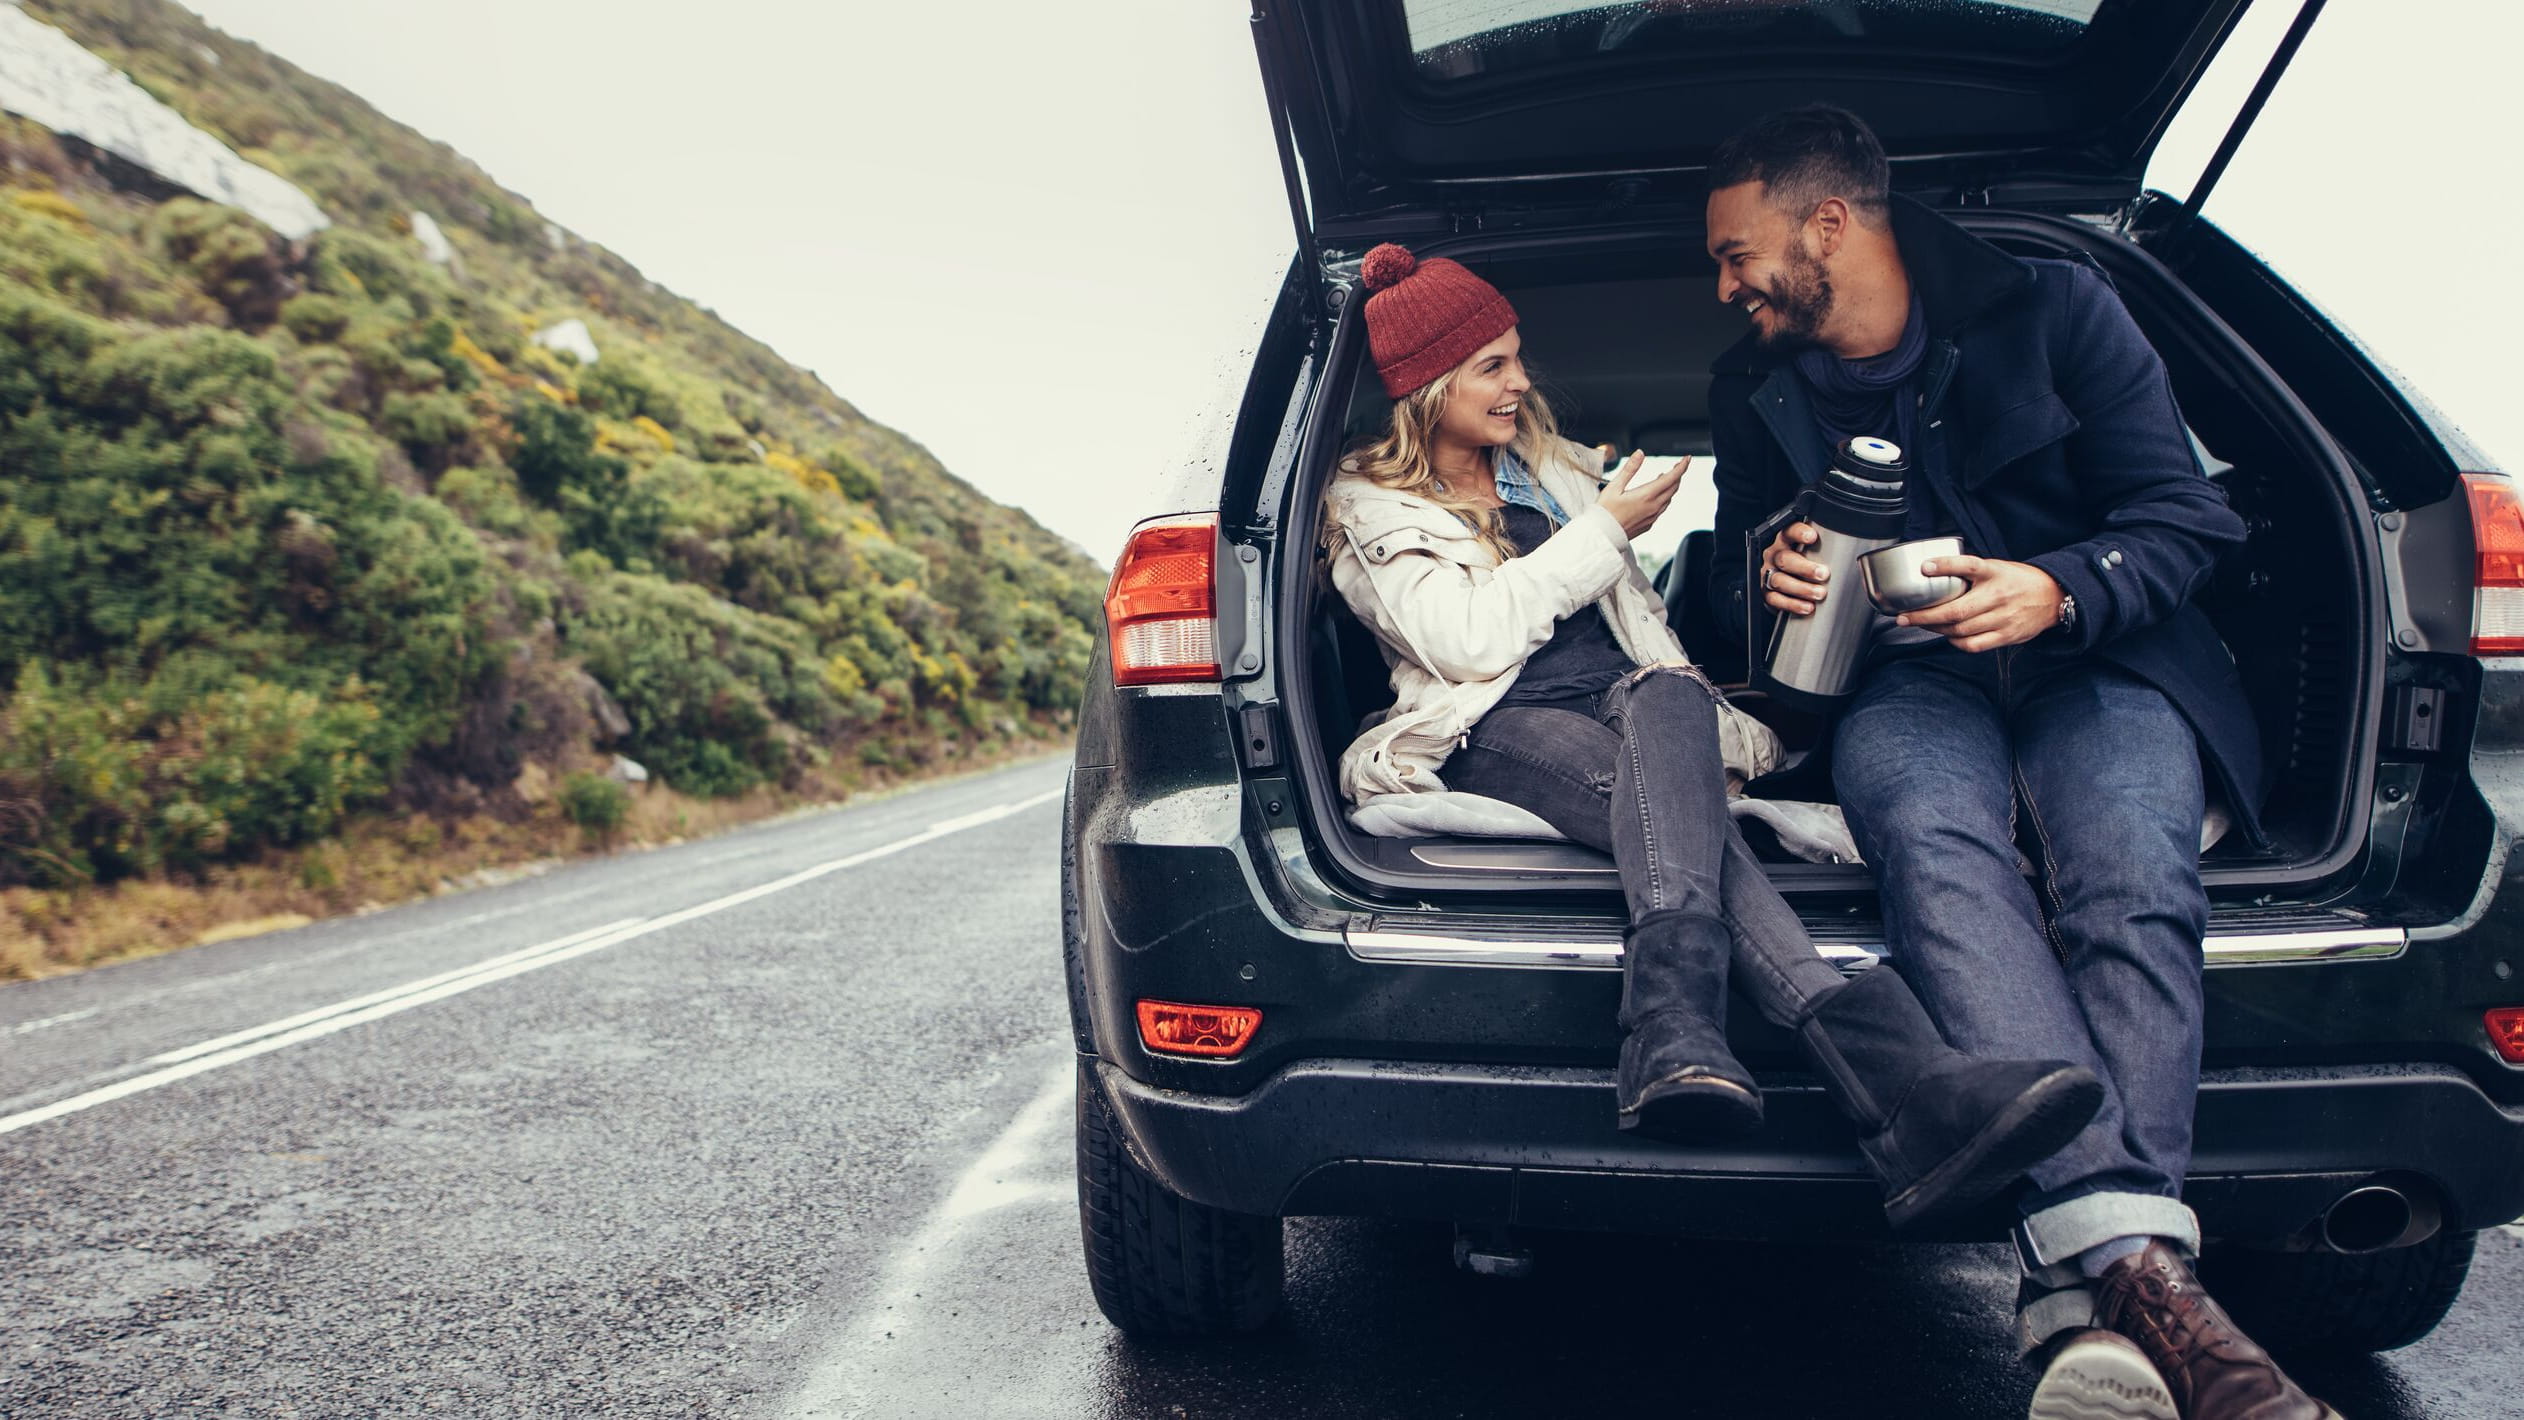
[(1677, 1079), (1944, 1131)]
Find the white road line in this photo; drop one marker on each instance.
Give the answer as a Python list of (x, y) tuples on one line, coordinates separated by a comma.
[(989, 815), (297, 961), (277, 1035), (290, 1023), (995, 1179), (1026, 1164), (65, 1018)]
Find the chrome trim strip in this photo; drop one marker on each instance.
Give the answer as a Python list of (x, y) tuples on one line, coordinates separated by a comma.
[(2222, 950), (2337, 944), (1429, 949), (1516, 858)]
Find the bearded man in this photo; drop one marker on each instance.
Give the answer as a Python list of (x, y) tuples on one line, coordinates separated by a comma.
[(2072, 704)]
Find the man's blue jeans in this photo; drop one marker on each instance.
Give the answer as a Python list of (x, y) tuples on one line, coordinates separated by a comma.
[(1948, 764)]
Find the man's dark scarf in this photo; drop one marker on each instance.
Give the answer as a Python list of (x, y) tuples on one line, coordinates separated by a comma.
[(1869, 397)]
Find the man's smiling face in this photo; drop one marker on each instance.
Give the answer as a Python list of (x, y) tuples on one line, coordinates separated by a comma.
[(1767, 267)]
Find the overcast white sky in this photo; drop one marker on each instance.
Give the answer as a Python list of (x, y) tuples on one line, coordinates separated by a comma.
[(1032, 235)]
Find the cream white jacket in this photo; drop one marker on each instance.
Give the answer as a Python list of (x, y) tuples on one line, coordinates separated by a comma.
[(1456, 624)]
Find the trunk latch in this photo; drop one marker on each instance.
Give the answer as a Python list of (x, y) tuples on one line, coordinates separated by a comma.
[(2414, 718), (1258, 736)]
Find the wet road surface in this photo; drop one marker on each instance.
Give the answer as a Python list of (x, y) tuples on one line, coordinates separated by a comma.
[(778, 1125)]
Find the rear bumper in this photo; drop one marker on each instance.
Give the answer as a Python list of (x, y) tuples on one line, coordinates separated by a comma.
[(1537, 1147)]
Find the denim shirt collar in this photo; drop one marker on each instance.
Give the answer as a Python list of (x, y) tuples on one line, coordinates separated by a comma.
[(1517, 485)]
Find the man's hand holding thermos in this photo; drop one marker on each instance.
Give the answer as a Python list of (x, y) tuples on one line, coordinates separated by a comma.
[(1792, 582)]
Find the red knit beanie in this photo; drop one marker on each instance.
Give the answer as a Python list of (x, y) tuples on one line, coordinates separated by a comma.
[(1426, 317)]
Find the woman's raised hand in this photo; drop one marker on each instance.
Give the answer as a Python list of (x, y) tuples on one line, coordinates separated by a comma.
[(1635, 505)]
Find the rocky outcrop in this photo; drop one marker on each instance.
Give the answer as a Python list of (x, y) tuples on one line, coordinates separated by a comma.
[(433, 239), (46, 76), (603, 711), (571, 337)]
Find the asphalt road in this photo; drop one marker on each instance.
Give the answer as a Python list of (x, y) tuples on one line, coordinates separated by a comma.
[(778, 1125)]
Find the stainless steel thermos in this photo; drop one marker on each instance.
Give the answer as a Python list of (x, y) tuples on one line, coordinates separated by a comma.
[(1813, 660)]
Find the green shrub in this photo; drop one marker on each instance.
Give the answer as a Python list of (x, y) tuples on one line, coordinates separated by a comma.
[(859, 482), (613, 387), (221, 628), (716, 694), (556, 449), (486, 498), (433, 343), (316, 318), (369, 270), (133, 777), (594, 802), (433, 427), (416, 617), (234, 259), (43, 248)]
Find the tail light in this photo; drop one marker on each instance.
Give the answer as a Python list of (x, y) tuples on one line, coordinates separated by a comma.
[(2497, 539), (2506, 1032), (1162, 610), (1173, 1028)]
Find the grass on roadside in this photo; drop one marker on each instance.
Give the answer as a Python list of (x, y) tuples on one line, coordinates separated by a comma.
[(379, 861)]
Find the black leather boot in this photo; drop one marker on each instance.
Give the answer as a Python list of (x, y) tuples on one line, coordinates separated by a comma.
[(1943, 1130), (1677, 1079)]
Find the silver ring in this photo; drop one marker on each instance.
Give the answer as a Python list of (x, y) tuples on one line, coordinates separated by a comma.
[(1766, 571)]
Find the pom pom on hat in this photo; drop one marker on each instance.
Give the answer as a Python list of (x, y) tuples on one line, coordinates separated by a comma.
[(1386, 264), (1426, 317)]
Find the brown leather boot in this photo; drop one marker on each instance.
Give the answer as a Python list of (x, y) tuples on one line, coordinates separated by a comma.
[(2213, 1369)]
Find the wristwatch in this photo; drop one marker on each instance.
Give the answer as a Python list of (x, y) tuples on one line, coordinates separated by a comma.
[(2068, 612)]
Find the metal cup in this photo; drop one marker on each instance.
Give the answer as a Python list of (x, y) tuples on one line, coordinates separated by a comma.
[(1894, 582)]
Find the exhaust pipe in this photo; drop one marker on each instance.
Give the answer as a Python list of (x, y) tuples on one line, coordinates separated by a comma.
[(2377, 1216), (1493, 1252)]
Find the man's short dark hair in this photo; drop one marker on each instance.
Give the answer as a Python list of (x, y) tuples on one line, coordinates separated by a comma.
[(1807, 154)]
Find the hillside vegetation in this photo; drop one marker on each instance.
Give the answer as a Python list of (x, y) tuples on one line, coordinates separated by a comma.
[(290, 532)]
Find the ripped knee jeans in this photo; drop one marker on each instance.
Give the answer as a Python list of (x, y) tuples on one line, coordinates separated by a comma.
[(1634, 771)]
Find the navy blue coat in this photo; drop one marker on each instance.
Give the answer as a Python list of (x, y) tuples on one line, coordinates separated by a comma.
[(2048, 434)]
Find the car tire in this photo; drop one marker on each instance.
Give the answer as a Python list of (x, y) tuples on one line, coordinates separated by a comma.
[(2375, 1301), (1163, 1266)]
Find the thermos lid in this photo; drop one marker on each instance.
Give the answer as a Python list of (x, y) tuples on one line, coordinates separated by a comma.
[(1866, 474)]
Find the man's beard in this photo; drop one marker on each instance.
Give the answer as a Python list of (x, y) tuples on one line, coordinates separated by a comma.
[(1799, 303)]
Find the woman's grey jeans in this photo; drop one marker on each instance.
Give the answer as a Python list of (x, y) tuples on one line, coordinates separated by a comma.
[(1634, 772)]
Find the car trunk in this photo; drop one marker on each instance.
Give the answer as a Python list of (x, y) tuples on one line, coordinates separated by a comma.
[(1621, 326), (1388, 110)]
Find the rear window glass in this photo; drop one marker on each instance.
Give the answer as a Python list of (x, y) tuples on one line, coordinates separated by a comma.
[(1459, 39)]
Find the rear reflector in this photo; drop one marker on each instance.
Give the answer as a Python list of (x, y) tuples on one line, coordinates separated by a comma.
[(2497, 539), (2506, 1031), (1161, 610), (1176, 1029)]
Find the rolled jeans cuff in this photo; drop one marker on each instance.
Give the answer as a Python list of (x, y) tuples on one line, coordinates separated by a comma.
[(2042, 1313), (2058, 1233)]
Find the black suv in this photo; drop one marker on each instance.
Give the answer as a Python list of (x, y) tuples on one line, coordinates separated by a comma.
[(1277, 1015)]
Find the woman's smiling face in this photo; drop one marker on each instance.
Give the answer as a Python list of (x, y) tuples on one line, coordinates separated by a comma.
[(1488, 390)]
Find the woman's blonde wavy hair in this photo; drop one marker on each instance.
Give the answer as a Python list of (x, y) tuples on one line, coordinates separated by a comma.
[(1401, 458)]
